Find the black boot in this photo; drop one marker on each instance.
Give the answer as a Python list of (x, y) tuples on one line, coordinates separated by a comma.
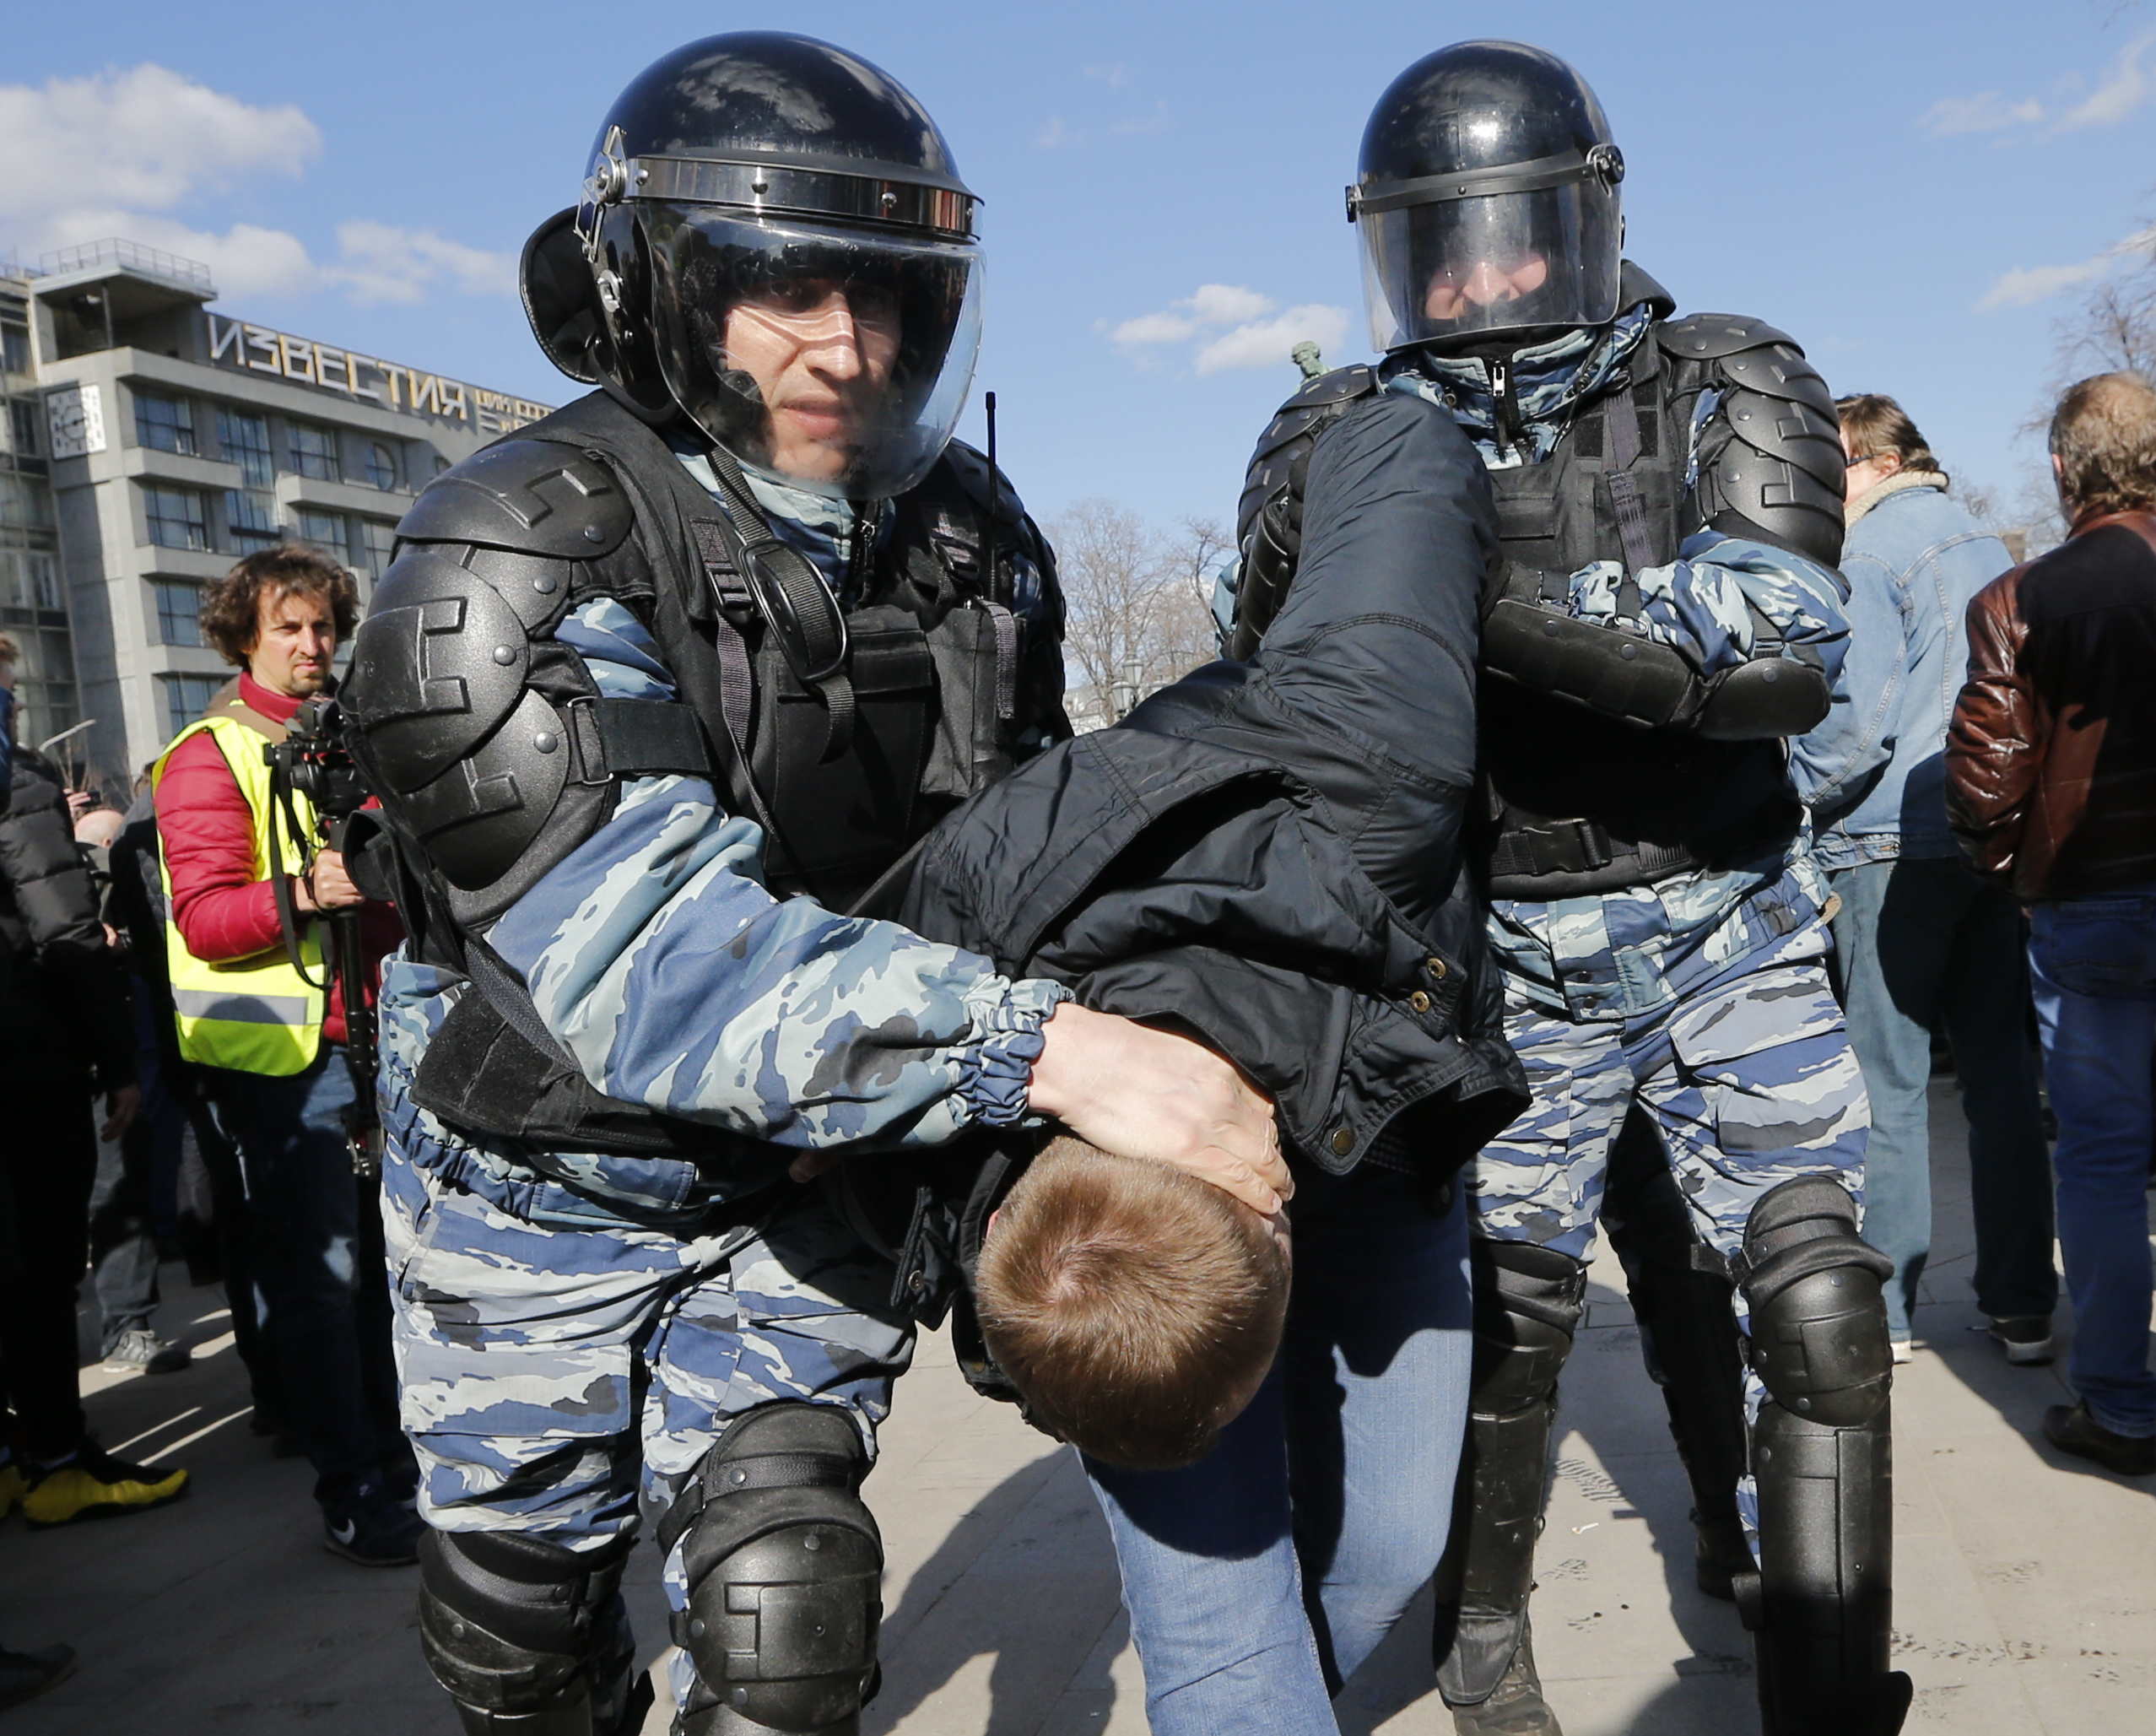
[(1515, 1707)]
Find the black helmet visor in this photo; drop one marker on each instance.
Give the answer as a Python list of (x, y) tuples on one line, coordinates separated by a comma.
[(1446, 267), (836, 355)]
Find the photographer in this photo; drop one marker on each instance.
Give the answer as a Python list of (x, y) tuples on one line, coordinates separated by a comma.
[(251, 943)]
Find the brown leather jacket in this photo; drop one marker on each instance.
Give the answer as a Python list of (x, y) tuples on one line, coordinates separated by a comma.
[(2051, 757)]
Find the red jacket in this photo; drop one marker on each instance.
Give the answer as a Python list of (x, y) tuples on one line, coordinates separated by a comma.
[(208, 835)]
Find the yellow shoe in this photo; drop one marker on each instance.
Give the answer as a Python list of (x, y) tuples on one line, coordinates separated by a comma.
[(14, 1485), (93, 1484)]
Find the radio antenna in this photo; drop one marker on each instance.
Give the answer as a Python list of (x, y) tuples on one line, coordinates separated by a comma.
[(995, 497)]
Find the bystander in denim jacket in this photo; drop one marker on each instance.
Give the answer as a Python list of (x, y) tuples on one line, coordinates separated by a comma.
[(1914, 558)]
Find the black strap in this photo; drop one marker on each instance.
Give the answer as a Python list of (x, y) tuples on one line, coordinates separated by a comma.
[(506, 992), (1622, 419), (616, 737), (1576, 847)]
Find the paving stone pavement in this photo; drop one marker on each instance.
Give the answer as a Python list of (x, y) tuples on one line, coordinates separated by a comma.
[(2026, 1583)]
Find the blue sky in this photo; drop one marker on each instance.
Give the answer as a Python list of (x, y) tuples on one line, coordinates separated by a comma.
[(1914, 190)]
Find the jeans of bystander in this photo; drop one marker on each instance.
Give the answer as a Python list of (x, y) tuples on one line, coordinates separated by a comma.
[(1918, 940), (318, 1269), (1258, 1579), (2093, 964)]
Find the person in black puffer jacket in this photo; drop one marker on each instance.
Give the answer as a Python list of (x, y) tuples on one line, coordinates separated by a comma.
[(66, 1034)]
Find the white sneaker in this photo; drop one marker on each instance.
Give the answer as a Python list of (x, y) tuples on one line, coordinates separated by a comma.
[(1903, 1349), (143, 1352)]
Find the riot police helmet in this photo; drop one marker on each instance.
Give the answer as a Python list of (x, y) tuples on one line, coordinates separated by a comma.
[(774, 246), (1487, 200)]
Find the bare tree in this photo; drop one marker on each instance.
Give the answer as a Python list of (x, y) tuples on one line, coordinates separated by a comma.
[(1138, 602), (2113, 330)]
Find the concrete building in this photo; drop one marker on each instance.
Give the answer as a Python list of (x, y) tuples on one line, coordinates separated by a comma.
[(170, 439)]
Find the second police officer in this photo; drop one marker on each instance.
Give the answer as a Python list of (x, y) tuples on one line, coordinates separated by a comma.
[(1661, 694), (654, 690)]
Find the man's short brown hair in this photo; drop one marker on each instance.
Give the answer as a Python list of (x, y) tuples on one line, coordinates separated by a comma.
[(2104, 436), (10, 652), (232, 606), (1133, 1304)]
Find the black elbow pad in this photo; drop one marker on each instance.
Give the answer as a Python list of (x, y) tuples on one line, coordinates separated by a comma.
[(1608, 670), (1765, 697)]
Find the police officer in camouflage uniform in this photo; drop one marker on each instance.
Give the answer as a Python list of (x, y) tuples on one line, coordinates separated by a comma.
[(1661, 688), (652, 692)]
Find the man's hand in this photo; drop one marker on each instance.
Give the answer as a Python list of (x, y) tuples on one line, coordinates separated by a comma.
[(79, 802), (120, 1107), (327, 886), (1139, 1092)]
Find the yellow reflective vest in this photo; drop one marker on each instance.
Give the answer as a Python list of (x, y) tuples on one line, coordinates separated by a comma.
[(254, 1015)]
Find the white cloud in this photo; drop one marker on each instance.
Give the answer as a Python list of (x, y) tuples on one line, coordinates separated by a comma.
[(1229, 324), (2125, 87), (2026, 286), (1987, 112), (385, 263), (85, 159), (2127, 84), (141, 140), (1265, 343), (1055, 136)]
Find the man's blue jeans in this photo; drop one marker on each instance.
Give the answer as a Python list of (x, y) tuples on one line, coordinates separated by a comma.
[(1917, 940), (2093, 962), (323, 1298), (1337, 1480)]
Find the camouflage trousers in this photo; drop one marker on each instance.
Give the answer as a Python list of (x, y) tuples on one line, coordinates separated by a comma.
[(562, 1378), (1749, 1078)]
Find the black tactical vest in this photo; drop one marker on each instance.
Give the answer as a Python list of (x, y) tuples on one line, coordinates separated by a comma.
[(1574, 803), (495, 755)]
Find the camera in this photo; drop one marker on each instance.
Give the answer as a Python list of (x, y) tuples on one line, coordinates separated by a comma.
[(313, 761)]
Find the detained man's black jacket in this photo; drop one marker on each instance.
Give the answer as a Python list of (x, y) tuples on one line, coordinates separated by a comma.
[(1269, 854), (64, 995)]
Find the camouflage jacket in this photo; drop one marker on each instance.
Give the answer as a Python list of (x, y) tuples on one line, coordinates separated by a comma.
[(655, 955)]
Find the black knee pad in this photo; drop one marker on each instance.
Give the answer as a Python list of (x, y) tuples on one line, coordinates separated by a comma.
[(512, 1624), (784, 1571), (1527, 1304), (1819, 1316)]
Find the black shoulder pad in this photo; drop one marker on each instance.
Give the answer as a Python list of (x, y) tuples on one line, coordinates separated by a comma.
[(970, 468), (1771, 457), (1705, 337), (1292, 430), (536, 496)]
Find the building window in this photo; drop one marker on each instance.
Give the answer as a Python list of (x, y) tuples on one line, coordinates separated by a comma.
[(186, 697), (314, 451), (250, 520), (168, 423), (179, 612), (379, 538), (15, 347), (244, 440), (24, 424), (381, 466), (325, 532), (42, 572), (175, 518)]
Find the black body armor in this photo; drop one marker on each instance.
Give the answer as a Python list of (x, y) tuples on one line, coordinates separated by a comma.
[(846, 735), (1686, 771)]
